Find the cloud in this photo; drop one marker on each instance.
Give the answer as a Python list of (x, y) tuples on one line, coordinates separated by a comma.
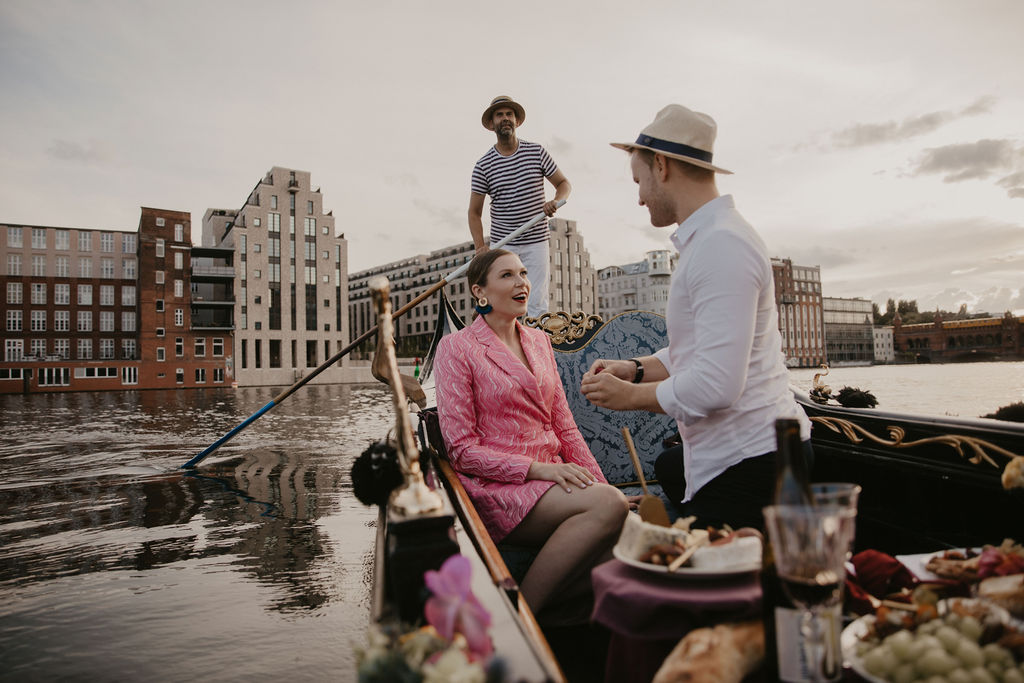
[(867, 134), (1014, 184), (68, 150), (970, 161)]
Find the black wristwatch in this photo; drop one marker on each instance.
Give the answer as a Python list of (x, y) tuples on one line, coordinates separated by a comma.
[(639, 376)]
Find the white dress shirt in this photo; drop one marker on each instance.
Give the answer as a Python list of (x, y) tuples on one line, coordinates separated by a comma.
[(728, 381)]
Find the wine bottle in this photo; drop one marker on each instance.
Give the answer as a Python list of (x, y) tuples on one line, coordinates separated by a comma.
[(783, 646)]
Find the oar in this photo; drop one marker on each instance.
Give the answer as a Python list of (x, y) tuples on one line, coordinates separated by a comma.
[(458, 272)]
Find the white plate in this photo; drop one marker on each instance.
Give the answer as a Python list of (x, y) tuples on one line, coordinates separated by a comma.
[(686, 572)]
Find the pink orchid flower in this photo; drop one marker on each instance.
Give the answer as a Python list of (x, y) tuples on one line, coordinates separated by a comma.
[(453, 607)]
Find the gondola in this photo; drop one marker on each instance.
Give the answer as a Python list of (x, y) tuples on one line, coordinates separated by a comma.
[(928, 482)]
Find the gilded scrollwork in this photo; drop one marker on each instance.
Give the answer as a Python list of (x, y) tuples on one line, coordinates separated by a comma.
[(564, 327), (974, 450)]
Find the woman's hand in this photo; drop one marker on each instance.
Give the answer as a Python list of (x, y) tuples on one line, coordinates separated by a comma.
[(564, 474)]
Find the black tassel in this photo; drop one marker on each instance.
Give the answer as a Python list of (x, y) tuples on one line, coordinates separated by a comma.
[(376, 473), (852, 397)]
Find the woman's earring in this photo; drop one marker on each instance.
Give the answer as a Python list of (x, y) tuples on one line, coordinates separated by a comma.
[(482, 307)]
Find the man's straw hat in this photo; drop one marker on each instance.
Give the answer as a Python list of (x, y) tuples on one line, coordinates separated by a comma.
[(503, 101), (679, 133)]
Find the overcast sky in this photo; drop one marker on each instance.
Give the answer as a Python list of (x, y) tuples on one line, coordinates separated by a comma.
[(881, 140)]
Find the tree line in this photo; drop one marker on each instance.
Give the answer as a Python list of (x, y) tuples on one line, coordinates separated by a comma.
[(910, 315)]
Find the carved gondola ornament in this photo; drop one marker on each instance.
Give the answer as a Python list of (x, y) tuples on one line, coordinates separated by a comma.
[(564, 328), (413, 497), (973, 450)]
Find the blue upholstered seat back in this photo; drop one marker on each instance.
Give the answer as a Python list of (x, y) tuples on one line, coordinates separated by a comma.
[(627, 335)]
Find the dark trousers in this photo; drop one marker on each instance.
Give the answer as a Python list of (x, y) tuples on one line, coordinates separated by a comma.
[(735, 497)]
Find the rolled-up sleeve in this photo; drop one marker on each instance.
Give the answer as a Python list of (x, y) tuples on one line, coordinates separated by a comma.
[(723, 280), (457, 410)]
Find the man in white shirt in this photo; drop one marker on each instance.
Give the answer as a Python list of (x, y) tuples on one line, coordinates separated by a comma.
[(723, 375)]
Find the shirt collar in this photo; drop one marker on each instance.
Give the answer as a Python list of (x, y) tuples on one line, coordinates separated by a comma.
[(699, 218)]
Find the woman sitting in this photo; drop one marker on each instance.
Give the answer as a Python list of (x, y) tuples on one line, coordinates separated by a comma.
[(513, 441)]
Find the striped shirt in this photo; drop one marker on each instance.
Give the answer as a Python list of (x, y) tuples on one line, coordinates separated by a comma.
[(516, 186)]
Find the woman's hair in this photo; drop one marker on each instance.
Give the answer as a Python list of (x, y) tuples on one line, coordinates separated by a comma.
[(481, 264)]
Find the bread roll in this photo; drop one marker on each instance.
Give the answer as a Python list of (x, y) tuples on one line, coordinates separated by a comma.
[(726, 653), (1005, 591)]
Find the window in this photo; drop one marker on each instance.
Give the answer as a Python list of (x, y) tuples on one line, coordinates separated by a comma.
[(161, 354), (200, 350), (14, 264), (179, 260), (106, 321), (54, 377), (62, 348), (38, 323), (159, 277), (38, 293), (160, 222), (14, 238), (129, 375), (13, 349), (309, 226), (60, 266), (179, 347), (85, 321), (218, 346), (106, 268), (273, 201), (84, 349), (179, 376), (256, 248), (127, 321), (84, 295), (218, 375), (179, 232), (159, 331), (179, 288), (327, 254), (309, 206), (14, 294), (274, 222), (256, 274), (179, 317), (85, 267), (62, 321), (200, 375), (106, 295), (39, 238), (84, 241), (159, 248), (127, 295), (62, 240), (107, 242), (106, 349), (128, 269), (127, 244), (38, 265), (128, 349), (159, 305)]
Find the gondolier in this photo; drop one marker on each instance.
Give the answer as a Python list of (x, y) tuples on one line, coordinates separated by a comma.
[(512, 173)]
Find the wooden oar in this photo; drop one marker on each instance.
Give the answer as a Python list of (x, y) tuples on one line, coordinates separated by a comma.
[(458, 272), (652, 508)]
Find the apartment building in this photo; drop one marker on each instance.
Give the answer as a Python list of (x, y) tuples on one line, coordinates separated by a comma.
[(801, 322), (849, 336), (571, 287), (83, 309), (639, 286), (290, 280), (885, 351)]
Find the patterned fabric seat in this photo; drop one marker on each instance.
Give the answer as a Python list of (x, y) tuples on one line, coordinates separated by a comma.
[(627, 335)]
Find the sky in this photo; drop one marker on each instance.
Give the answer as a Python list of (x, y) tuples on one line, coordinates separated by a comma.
[(882, 141)]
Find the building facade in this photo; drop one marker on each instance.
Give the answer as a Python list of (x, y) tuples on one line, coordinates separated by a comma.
[(801, 322), (884, 351), (642, 285), (959, 340), (571, 288), (83, 310), (849, 331), (290, 280)]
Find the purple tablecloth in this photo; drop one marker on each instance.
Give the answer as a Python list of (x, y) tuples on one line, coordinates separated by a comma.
[(648, 614)]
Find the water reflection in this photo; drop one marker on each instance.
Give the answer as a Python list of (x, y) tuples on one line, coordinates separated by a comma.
[(98, 522)]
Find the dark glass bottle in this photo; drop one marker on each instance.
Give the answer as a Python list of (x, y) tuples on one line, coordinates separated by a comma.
[(792, 487)]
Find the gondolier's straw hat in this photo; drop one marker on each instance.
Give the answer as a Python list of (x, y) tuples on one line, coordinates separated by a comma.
[(679, 133), (503, 101)]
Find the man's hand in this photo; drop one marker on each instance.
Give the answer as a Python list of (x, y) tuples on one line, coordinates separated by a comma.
[(562, 473), (482, 249), (605, 390), (550, 208), (623, 369)]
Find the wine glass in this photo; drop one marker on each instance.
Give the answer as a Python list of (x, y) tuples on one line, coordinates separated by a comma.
[(810, 544)]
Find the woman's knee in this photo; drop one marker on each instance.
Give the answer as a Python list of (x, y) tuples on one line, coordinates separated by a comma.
[(611, 505)]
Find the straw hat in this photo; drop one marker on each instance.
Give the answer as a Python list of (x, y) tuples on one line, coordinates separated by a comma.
[(503, 101), (679, 133)]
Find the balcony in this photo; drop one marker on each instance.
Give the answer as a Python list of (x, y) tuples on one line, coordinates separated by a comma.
[(213, 271), (293, 185)]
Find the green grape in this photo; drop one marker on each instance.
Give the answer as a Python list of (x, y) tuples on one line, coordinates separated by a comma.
[(980, 674), (935, 662), (1013, 676), (881, 661), (949, 637), (904, 673), (959, 676), (971, 628), (901, 644), (969, 653)]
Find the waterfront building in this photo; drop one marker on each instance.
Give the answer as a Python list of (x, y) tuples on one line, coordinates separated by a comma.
[(849, 331), (801, 322), (571, 288), (959, 340), (642, 285), (290, 280), (94, 309), (884, 352)]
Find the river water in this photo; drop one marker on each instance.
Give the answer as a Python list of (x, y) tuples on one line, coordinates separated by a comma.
[(115, 565)]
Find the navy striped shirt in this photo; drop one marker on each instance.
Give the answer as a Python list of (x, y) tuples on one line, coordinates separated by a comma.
[(516, 186)]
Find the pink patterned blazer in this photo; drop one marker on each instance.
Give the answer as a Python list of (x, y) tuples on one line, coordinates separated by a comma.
[(498, 417)]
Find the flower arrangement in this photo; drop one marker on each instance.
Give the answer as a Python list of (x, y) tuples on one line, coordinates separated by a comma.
[(454, 645)]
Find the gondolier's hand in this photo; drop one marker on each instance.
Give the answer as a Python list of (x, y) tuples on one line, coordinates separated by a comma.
[(623, 369), (565, 474), (550, 208)]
